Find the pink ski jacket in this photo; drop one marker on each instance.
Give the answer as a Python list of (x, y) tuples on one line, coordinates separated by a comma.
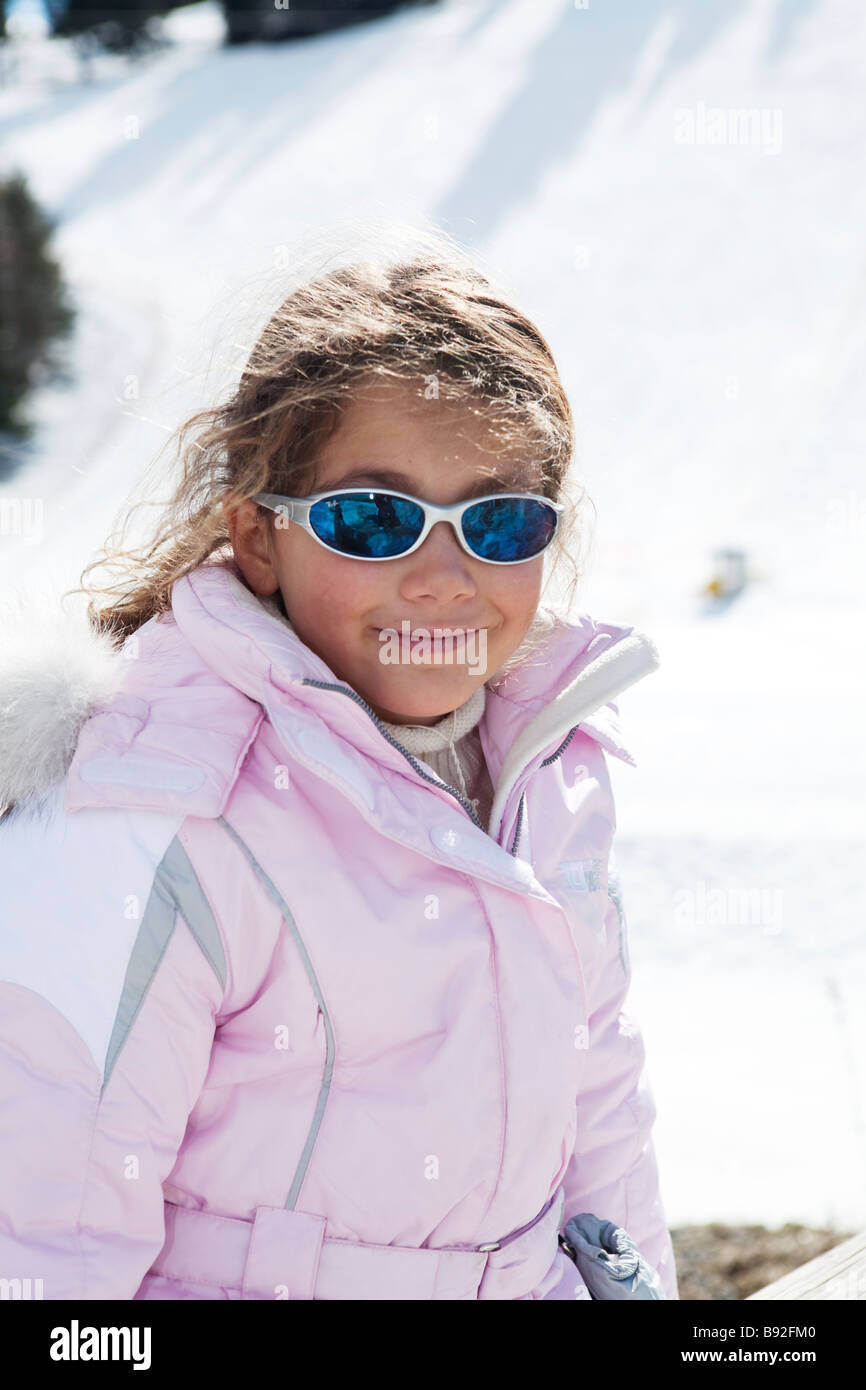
[(279, 1018)]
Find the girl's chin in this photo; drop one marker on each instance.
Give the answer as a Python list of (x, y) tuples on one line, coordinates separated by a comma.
[(429, 704)]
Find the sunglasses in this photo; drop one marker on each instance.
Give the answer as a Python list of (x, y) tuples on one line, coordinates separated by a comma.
[(377, 524)]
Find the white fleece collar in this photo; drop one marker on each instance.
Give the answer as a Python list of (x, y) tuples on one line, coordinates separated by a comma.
[(606, 677), (447, 731)]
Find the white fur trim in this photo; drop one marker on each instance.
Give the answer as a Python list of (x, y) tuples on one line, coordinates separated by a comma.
[(54, 672)]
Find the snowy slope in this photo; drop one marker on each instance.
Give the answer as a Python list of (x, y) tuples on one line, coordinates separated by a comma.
[(707, 305)]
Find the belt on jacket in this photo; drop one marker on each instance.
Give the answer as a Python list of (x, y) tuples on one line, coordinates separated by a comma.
[(286, 1254)]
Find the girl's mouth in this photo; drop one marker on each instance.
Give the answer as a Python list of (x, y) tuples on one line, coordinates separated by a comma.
[(436, 634)]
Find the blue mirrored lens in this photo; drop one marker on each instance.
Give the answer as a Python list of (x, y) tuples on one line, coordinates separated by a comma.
[(508, 528), (367, 524)]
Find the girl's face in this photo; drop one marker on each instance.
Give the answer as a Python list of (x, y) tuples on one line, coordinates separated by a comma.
[(338, 605)]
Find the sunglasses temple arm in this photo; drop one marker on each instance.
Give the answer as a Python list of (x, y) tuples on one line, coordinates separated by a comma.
[(274, 502)]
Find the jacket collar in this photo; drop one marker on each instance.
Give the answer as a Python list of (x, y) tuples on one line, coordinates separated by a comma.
[(166, 722), (598, 662), (571, 679)]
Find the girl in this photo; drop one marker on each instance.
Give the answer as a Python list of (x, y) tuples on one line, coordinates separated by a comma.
[(313, 946)]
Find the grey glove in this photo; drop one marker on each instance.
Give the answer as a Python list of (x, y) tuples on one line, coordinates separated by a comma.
[(609, 1262)]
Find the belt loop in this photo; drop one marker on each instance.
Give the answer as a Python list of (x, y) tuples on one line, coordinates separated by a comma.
[(283, 1256)]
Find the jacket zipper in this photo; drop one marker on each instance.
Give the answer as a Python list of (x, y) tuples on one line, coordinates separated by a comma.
[(353, 694), (545, 763), (346, 690)]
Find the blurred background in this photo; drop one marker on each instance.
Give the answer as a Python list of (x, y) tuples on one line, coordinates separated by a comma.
[(674, 191)]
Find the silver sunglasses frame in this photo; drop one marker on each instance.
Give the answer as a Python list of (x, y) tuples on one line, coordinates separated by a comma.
[(298, 509)]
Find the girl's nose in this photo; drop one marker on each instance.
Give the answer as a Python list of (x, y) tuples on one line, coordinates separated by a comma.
[(443, 542), (439, 565)]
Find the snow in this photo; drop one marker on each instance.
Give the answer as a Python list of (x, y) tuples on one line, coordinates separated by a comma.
[(701, 278)]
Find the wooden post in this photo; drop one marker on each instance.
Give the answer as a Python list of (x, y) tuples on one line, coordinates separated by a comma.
[(839, 1273)]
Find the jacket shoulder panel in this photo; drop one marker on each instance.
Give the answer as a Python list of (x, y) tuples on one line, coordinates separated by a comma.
[(77, 887)]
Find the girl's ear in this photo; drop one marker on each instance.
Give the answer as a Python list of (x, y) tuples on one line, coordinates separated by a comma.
[(252, 544)]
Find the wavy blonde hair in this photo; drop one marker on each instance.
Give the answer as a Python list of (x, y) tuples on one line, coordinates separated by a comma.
[(430, 322)]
